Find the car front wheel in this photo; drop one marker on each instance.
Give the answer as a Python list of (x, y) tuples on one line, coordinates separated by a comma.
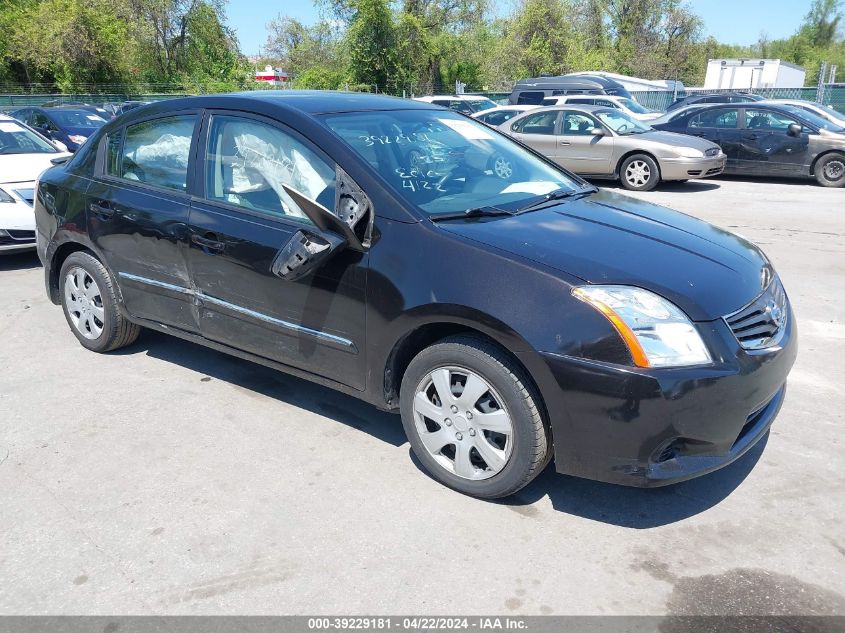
[(639, 173), (473, 418), (830, 170), (90, 305)]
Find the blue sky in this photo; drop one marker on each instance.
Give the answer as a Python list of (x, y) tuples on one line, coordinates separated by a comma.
[(731, 21)]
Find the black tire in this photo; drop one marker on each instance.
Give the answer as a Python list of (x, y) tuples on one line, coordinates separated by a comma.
[(117, 331), (635, 184), (532, 444), (830, 170)]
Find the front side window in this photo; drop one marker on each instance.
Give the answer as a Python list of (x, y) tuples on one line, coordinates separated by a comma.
[(539, 123), (249, 162), (721, 119), (578, 124), (17, 139), (442, 162), (155, 152), (767, 120), (815, 119)]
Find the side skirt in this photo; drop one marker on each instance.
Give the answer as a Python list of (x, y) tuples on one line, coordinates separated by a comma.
[(287, 369)]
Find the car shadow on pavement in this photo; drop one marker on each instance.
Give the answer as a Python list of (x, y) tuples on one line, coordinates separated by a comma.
[(271, 383), (691, 186), (19, 261), (638, 508)]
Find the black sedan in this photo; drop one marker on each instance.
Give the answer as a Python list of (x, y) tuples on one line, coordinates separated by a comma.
[(709, 99), (769, 139), (71, 125), (507, 309)]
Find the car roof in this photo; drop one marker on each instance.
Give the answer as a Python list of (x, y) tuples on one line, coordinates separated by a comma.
[(307, 101)]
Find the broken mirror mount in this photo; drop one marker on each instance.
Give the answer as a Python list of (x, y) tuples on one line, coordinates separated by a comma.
[(354, 207), (303, 253)]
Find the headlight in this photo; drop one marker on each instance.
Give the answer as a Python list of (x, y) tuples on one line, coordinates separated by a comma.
[(688, 152), (78, 139), (655, 331), (5, 197)]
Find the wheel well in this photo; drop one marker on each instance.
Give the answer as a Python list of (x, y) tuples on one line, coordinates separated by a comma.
[(417, 340), (632, 153), (62, 253), (822, 155)]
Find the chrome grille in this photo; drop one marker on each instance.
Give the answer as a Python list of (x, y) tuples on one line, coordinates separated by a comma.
[(762, 322)]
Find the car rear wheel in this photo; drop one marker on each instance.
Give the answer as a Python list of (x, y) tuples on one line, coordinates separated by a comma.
[(830, 170), (639, 173), (90, 305), (473, 418)]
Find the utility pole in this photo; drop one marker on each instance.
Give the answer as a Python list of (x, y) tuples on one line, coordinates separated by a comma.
[(820, 87)]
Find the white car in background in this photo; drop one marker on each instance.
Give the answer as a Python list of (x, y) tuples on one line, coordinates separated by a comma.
[(24, 154), (466, 104), (494, 117), (824, 111), (628, 106)]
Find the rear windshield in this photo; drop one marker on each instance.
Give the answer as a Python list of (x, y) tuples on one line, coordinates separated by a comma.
[(77, 119)]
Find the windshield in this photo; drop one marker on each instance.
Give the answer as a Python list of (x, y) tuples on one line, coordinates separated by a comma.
[(17, 139), (814, 119), (836, 114), (621, 123), (477, 105), (443, 162), (77, 118), (633, 106)]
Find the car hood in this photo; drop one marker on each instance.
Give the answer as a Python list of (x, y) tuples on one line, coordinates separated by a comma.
[(675, 139), (80, 131), (607, 238), (25, 167)]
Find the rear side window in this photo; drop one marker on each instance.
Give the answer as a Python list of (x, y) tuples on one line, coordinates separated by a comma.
[(540, 123), (154, 152), (722, 119), (531, 97)]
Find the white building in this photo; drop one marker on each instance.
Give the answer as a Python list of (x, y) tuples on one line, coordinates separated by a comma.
[(746, 74), (272, 76)]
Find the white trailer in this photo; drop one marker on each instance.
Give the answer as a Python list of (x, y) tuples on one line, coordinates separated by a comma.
[(747, 74)]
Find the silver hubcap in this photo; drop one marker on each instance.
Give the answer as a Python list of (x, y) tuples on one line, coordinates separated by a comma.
[(462, 422), (84, 303), (637, 173), (834, 170), (502, 167)]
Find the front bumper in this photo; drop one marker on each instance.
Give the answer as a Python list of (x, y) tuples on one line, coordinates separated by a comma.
[(686, 168), (652, 427), (17, 221)]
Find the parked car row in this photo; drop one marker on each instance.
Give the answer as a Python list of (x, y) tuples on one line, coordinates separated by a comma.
[(603, 136)]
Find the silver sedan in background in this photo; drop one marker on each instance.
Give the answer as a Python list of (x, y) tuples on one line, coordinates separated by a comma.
[(599, 142)]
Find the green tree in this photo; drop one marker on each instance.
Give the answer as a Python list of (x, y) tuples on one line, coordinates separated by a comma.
[(371, 41)]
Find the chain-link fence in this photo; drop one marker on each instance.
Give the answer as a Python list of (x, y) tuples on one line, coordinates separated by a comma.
[(831, 94)]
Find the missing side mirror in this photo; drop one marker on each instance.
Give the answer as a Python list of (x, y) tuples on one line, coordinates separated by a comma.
[(304, 253)]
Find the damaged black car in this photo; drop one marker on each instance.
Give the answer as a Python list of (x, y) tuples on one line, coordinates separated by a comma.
[(425, 263)]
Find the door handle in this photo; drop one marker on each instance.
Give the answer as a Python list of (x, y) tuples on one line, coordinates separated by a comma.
[(101, 209), (209, 243), (750, 137), (563, 143)]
